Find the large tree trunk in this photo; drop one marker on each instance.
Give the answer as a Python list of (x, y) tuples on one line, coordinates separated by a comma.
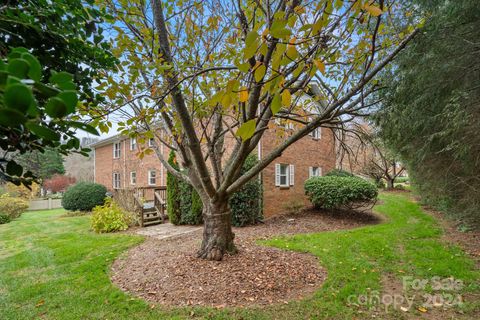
[(217, 231), (390, 184)]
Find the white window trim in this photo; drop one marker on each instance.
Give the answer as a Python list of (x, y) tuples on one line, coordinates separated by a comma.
[(311, 173), (114, 176), (316, 133), (150, 178), (133, 143), (289, 175), (133, 173), (115, 144), (150, 142)]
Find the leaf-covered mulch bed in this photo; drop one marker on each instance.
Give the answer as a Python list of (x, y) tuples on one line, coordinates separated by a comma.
[(167, 271)]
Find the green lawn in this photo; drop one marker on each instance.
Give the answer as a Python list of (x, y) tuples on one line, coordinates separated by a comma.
[(54, 268)]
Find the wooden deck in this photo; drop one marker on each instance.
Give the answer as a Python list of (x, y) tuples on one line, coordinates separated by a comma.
[(148, 202)]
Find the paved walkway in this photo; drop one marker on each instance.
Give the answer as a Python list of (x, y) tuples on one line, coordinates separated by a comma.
[(166, 230)]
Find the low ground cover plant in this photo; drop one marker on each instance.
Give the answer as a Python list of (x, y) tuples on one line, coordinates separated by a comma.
[(110, 217), (11, 207)]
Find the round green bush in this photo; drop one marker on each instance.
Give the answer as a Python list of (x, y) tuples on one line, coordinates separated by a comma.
[(339, 173), (4, 219), (84, 196), (334, 192)]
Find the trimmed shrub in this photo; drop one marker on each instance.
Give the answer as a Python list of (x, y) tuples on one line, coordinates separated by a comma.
[(191, 205), (84, 196), (173, 194), (110, 217), (246, 204), (333, 192), (400, 187), (339, 173), (12, 207), (4, 219)]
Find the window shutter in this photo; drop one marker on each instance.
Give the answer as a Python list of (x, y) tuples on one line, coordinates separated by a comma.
[(292, 174), (320, 173), (311, 134), (319, 136), (277, 174), (310, 172)]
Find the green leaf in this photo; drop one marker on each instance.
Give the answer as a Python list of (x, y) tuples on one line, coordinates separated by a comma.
[(18, 68), (276, 104), (260, 72), (18, 96), (70, 99), (35, 71), (14, 169), (60, 77), (11, 118), (279, 30), (56, 108), (46, 91), (43, 132), (246, 130), (83, 126)]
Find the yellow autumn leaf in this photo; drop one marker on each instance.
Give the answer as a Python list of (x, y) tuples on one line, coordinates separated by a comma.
[(373, 10), (243, 95), (320, 65), (226, 100), (292, 52), (260, 72), (422, 309), (286, 98)]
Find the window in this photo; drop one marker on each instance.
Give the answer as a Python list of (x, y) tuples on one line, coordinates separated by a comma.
[(314, 172), (133, 143), (284, 175), (151, 142), (116, 150), (152, 177), (116, 180), (285, 124), (316, 133), (133, 177)]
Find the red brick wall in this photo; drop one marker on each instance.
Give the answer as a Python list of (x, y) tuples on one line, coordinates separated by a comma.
[(303, 154), (106, 165)]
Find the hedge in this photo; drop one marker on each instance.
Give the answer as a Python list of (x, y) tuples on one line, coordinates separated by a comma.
[(184, 205), (247, 203), (183, 202), (339, 173), (84, 196), (335, 192)]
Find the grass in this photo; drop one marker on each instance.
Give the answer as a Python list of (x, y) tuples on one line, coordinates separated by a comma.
[(52, 267)]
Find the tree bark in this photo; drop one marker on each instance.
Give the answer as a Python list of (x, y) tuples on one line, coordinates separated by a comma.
[(217, 231), (390, 184)]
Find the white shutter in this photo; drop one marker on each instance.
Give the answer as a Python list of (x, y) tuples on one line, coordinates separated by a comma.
[(311, 132), (319, 136), (277, 174), (320, 173), (310, 172), (292, 174)]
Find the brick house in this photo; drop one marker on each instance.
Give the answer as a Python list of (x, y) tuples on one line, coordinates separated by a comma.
[(117, 166)]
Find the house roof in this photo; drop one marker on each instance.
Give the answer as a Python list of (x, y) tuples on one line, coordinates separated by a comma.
[(106, 141)]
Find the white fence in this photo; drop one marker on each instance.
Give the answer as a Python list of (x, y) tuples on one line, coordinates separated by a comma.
[(45, 204)]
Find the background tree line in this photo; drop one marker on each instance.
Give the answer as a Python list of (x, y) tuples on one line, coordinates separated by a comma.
[(430, 115)]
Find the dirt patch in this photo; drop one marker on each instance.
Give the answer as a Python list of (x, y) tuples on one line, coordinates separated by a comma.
[(166, 271)]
